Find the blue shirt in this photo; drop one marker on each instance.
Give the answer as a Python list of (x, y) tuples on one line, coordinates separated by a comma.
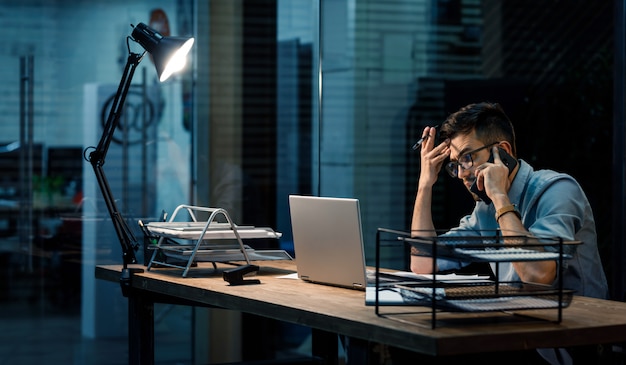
[(551, 204)]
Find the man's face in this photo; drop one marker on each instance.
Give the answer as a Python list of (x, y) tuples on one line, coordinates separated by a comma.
[(467, 153)]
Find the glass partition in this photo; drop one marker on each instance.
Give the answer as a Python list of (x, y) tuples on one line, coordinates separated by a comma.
[(62, 65)]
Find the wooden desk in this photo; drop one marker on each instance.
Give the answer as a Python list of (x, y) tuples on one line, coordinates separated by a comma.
[(342, 311)]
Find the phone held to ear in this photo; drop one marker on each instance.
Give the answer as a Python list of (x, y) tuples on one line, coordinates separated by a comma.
[(507, 160)]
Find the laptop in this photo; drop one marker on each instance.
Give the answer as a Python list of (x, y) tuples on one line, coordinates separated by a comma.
[(328, 240), (328, 245)]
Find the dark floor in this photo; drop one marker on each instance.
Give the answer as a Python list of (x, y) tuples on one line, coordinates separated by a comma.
[(30, 335), (40, 319)]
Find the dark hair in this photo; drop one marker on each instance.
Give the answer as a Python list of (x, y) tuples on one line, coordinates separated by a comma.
[(488, 119)]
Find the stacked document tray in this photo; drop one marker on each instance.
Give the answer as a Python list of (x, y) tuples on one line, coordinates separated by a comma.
[(202, 235), (484, 295)]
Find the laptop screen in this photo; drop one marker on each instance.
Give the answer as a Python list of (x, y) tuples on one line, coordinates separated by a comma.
[(328, 240)]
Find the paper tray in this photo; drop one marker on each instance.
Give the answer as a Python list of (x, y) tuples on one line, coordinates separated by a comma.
[(207, 254), (491, 249), (193, 226), (487, 297), (193, 231)]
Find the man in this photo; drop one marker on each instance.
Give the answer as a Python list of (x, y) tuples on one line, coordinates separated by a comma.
[(523, 201)]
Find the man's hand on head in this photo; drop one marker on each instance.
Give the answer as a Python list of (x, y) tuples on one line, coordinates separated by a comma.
[(432, 157)]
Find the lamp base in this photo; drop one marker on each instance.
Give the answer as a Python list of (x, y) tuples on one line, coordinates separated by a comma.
[(126, 279)]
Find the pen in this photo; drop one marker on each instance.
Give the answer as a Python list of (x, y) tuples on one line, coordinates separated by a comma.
[(419, 143), (421, 140)]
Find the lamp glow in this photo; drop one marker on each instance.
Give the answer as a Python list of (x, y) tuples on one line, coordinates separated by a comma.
[(168, 53), (177, 61)]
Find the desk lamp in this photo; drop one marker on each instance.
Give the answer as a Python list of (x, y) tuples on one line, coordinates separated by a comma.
[(169, 55)]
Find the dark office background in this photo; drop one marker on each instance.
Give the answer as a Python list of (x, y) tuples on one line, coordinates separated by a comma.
[(252, 99)]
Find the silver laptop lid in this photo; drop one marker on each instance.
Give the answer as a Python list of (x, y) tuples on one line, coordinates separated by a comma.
[(328, 240)]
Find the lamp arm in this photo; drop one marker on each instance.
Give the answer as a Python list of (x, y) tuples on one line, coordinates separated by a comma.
[(97, 159)]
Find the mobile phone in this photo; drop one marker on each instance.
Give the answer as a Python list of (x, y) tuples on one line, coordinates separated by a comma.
[(507, 160)]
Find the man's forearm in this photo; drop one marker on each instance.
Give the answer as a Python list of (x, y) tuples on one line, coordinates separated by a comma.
[(542, 272), (422, 225), (422, 221)]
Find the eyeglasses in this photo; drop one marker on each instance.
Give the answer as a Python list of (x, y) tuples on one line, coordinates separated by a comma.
[(466, 161)]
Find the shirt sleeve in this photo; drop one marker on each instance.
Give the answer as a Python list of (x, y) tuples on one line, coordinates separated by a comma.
[(560, 210)]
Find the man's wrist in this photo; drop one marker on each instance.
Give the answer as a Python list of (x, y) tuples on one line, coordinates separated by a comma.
[(509, 208), (422, 186)]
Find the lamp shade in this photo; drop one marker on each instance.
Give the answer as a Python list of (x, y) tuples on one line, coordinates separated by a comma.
[(168, 53)]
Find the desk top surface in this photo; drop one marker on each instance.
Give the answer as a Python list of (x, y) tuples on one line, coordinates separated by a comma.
[(343, 311)]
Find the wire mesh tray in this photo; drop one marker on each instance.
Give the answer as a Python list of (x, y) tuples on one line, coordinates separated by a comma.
[(483, 297), (492, 248)]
